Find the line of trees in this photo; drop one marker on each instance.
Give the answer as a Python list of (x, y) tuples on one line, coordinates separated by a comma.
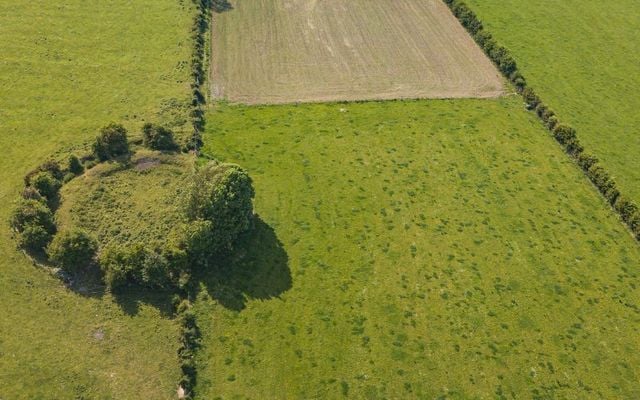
[(565, 134), (198, 77)]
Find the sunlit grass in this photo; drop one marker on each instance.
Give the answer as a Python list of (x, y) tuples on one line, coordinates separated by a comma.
[(433, 248)]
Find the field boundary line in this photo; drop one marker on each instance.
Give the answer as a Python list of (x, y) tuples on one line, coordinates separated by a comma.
[(199, 29), (565, 135), (189, 330)]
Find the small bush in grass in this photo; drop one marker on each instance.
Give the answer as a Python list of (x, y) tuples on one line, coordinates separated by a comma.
[(46, 184), (72, 250), (112, 142), (32, 213), (34, 237), (75, 166), (552, 122), (158, 138)]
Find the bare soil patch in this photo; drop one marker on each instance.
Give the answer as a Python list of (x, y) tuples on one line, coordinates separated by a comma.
[(284, 51), (146, 163)]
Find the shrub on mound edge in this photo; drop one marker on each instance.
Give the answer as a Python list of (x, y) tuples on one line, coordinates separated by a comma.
[(46, 184), (72, 250), (112, 142), (158, 137), (32, 213), (34, 238)]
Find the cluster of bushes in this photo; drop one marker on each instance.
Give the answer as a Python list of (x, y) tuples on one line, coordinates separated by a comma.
[(189, 342), (218, 206), (32, 219), (113, 143), (198, 31), (563, 133)]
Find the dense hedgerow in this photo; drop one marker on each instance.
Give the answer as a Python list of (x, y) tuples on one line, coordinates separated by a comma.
[(634, 224), (31, 193), (626, 208), (150, 265), (189, 342), (531, 99), (198, 77), (586, 161)]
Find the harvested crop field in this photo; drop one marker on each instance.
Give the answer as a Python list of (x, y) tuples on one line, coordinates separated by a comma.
[(285, 51)]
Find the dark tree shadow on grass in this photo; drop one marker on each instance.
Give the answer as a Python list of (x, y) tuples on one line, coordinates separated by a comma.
[(220, 6), (130, 298), (258, 268)]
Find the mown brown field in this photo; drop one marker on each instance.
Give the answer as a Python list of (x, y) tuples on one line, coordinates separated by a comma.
[(284, 51)]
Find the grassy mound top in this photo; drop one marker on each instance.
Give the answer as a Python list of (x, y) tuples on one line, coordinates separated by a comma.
[(120, 202)]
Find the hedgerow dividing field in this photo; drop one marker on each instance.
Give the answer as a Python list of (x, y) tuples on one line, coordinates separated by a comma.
[(283, 51), (67, 69), (416, 250), (581, 57)]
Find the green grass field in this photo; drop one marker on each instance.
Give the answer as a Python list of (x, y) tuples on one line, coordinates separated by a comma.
[(68, 68), (582, 58), (416, 250)]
